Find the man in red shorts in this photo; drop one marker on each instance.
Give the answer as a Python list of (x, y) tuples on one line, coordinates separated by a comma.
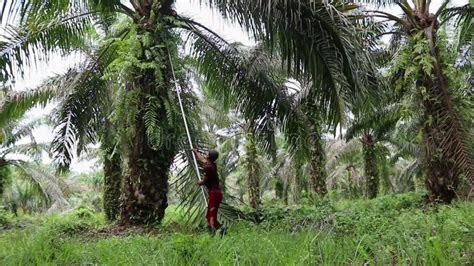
[(211, 181)]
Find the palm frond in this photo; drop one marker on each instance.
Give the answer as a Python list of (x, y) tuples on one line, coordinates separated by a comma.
[(463, 20), (246, 80), (316, 41), (22, 46), (341, 151), (15, 132), (83, 111), (193, 198), (379, 3), (456, 144), (379, 122), (17, 103), (32, 150), (413, 169), (51, 186), (37, 29), (80, 114)]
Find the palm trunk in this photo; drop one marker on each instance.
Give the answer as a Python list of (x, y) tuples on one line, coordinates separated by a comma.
[(446, 151), (370, 163), (296, 182), (4, 175), (145, 186), (441, 125), (279, 187), (317, 168), (112, 185), (253, 174), (144, 194), (285, 192), (317, 162)]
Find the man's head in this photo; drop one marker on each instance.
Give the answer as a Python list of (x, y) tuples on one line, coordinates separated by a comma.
[(212, 155)]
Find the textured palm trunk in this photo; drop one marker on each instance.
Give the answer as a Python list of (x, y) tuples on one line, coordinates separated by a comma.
[(370, 165), (317, 162), (112, 185), (253, 175), (4, 175), (446, 153), (145, 186), (441, 124), (442, 177), (317, 168), (295, 183), (285, 193)]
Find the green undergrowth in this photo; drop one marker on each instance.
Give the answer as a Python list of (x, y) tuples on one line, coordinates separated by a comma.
[(388, 230), (6, 219)]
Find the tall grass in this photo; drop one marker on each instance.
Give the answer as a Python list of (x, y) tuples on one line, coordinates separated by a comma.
[(379, 232)]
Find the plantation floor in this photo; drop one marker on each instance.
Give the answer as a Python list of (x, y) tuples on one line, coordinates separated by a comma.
[(387, 231)]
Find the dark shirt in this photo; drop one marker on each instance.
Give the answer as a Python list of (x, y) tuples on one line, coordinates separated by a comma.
[(211, 179)]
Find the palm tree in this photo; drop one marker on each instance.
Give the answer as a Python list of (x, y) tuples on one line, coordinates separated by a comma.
[(316, 156), (425, 62), (137, 62), (374, 128)]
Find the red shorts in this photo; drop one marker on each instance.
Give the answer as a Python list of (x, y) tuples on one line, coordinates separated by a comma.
[(215, 199)]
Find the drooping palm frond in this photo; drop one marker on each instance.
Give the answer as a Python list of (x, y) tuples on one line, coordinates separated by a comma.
[(456, 144), (414, 168), (379, 122), (316, 41), (51, 186), (38, 177), (17, 103), (15, 11), (344, 165), (79, 115), (192, 198), (13, 132), (281, 161), (83, 111), (35, 30), (32, 150), (340, 151), (246, 79), (463, 20), (23, 47)]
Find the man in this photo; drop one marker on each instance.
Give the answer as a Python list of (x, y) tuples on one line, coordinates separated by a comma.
[(211, 181)]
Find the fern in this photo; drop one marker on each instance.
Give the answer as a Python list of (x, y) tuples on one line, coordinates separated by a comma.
[(152, 123)]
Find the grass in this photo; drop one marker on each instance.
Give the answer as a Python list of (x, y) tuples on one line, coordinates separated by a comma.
[(388, 230)]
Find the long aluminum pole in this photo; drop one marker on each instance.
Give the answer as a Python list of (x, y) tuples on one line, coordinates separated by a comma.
[(196, 167)]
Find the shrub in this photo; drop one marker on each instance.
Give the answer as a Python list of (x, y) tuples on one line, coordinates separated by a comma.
[(80, 220), (6, 219)]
